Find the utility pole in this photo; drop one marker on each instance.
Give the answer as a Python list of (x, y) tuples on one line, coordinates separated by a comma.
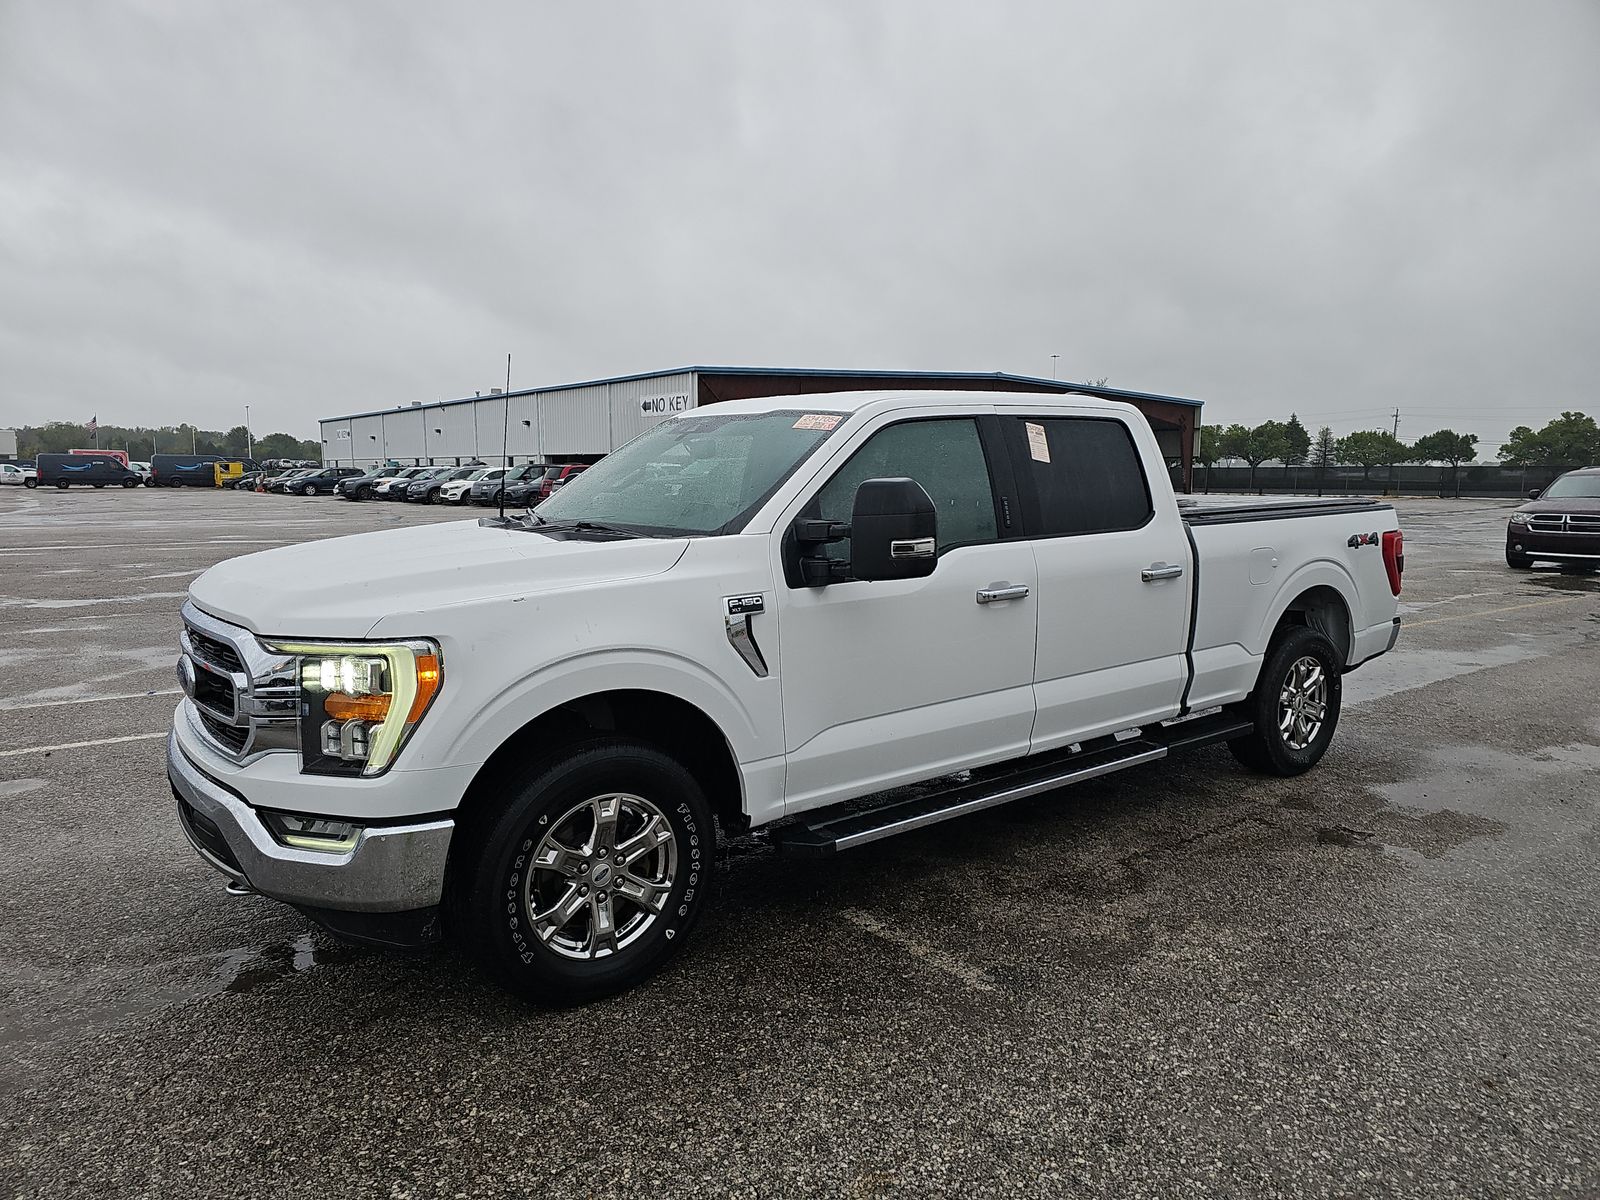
[(1053, 358), (249, 442), (1396, 436)]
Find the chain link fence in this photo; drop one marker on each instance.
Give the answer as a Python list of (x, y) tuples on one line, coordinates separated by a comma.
[(1470, 480)]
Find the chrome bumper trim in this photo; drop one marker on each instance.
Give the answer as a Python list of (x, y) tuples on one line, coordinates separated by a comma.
[(392, 868)]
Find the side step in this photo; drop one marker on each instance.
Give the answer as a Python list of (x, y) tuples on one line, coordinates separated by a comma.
[(828, 831)]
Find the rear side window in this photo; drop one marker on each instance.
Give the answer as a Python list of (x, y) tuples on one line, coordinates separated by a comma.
[(1085, 474)]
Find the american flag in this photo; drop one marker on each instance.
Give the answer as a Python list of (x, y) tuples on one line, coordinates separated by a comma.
[(94, 423)]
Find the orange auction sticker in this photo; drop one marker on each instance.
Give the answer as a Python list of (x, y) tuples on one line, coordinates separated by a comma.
[(818, 421)]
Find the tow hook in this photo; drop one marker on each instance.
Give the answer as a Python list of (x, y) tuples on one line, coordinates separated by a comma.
[(238, 887)]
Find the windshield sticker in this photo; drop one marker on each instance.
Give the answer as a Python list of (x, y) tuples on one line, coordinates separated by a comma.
[(1038, 446), (823, 421)]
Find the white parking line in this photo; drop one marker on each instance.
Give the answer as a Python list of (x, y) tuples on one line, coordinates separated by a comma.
[(7, 707), (133, 737), (950, 965)]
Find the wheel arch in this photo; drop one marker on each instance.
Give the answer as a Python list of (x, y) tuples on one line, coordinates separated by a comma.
[(1321, 605), (668, 722)]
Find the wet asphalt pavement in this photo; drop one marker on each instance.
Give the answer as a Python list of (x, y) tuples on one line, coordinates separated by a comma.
[(1185, 980)]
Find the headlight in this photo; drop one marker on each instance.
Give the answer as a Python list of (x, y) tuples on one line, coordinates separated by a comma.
[(1521, 518), (359, 702)]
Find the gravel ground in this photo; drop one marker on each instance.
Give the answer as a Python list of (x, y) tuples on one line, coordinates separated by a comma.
[(1185, 980)]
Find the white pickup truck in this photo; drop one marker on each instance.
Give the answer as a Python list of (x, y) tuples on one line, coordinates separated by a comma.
[(524, 733)]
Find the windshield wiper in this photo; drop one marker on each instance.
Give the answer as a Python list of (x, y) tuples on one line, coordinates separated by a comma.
[(534, 519)]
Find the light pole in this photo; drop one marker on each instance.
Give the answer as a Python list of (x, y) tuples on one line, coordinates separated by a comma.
[(1053, 358), (249, 442)]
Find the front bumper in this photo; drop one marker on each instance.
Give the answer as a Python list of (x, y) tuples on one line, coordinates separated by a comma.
[(392, 869), (1553, 547)]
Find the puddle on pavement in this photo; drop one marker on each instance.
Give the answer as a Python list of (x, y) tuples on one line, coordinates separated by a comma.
[(1344, 835), (244, 970), (1566, 581)]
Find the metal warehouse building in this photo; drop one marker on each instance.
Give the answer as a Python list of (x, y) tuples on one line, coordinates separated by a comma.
[(581, 421)]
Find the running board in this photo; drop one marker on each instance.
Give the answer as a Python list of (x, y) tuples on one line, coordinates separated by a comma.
[(822, 833)]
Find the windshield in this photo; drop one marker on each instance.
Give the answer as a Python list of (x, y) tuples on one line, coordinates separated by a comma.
[(1574, 487), (703, 474)]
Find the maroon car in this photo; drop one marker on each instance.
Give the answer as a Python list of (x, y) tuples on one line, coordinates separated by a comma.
[(1561, 524)]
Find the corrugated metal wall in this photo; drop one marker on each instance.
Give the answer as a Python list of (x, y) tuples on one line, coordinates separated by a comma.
[(404, 432), (336, 442), (557, 424), (574, 421), (640, 404)]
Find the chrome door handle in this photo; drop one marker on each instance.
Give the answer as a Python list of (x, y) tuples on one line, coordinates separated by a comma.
[(1157, 571), (991, 595)]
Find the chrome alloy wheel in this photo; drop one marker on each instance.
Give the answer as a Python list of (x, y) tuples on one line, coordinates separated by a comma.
[(1302, 703), (601, 876)]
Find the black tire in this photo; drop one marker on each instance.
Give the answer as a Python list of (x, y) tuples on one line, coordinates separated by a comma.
[(431, 497), (309, 489), (63, 484), (462, 499), (1520, 562), (98, 486), (174, 483), (490, 887), (1269, 750), (128, 483), (30, 483)]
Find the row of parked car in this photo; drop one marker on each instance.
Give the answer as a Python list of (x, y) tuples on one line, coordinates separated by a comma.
[(474, 483)]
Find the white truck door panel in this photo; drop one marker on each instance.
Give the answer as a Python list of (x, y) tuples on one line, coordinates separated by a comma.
[(889, 682), (1114, 576)]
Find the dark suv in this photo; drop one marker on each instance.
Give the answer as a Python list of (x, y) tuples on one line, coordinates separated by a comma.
[(322, 483), (1561, 524)]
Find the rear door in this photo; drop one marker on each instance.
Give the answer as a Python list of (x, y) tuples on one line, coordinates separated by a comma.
[(892, 681), (1114, 577)]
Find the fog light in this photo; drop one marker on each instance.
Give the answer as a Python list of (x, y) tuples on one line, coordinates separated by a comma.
[(312, 833)]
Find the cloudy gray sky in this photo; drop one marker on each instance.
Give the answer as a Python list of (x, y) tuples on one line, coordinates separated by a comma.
[(316, 208)]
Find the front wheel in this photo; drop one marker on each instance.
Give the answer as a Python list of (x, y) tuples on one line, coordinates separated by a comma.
[(30, 483), (1295, 705), (310, 489), (1520, 562), (128, 483), (590, 877)]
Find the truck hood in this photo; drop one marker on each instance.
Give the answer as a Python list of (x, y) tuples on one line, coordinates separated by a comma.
[(342, 587)]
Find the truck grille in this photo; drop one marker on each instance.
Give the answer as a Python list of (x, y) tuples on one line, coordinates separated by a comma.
[(243, 699)]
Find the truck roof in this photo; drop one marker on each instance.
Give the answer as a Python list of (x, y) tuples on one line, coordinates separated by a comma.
[(850, 402)]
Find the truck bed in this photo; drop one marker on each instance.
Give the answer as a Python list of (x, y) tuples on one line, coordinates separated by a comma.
[(1224, 510)]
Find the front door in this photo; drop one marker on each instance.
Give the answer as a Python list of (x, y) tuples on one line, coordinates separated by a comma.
[(889, 682)]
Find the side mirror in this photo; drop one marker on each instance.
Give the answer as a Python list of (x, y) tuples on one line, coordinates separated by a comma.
[(1533, 493), (893, 531)]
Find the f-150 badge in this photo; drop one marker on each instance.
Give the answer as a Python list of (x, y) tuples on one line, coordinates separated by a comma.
[(738, 605)]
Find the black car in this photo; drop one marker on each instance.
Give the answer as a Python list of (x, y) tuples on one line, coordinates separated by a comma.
[(1560, 524), (399, 488), (359, 487), (95, 470), (321, 483)]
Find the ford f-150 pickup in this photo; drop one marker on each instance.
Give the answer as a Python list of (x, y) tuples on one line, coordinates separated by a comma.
[(525, 733)]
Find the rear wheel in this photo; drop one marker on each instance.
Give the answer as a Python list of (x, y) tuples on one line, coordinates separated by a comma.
[(1295, 705), (62, 484), (590, 877)]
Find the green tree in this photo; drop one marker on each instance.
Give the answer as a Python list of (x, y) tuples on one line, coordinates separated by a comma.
[(1447, 446), (1571, 440), (1256, 445), (1323, 455), (1208, 449), (1296, 441), (1371, 448)]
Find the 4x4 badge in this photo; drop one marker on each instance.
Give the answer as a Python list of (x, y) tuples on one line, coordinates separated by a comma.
[(1363, 539)]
